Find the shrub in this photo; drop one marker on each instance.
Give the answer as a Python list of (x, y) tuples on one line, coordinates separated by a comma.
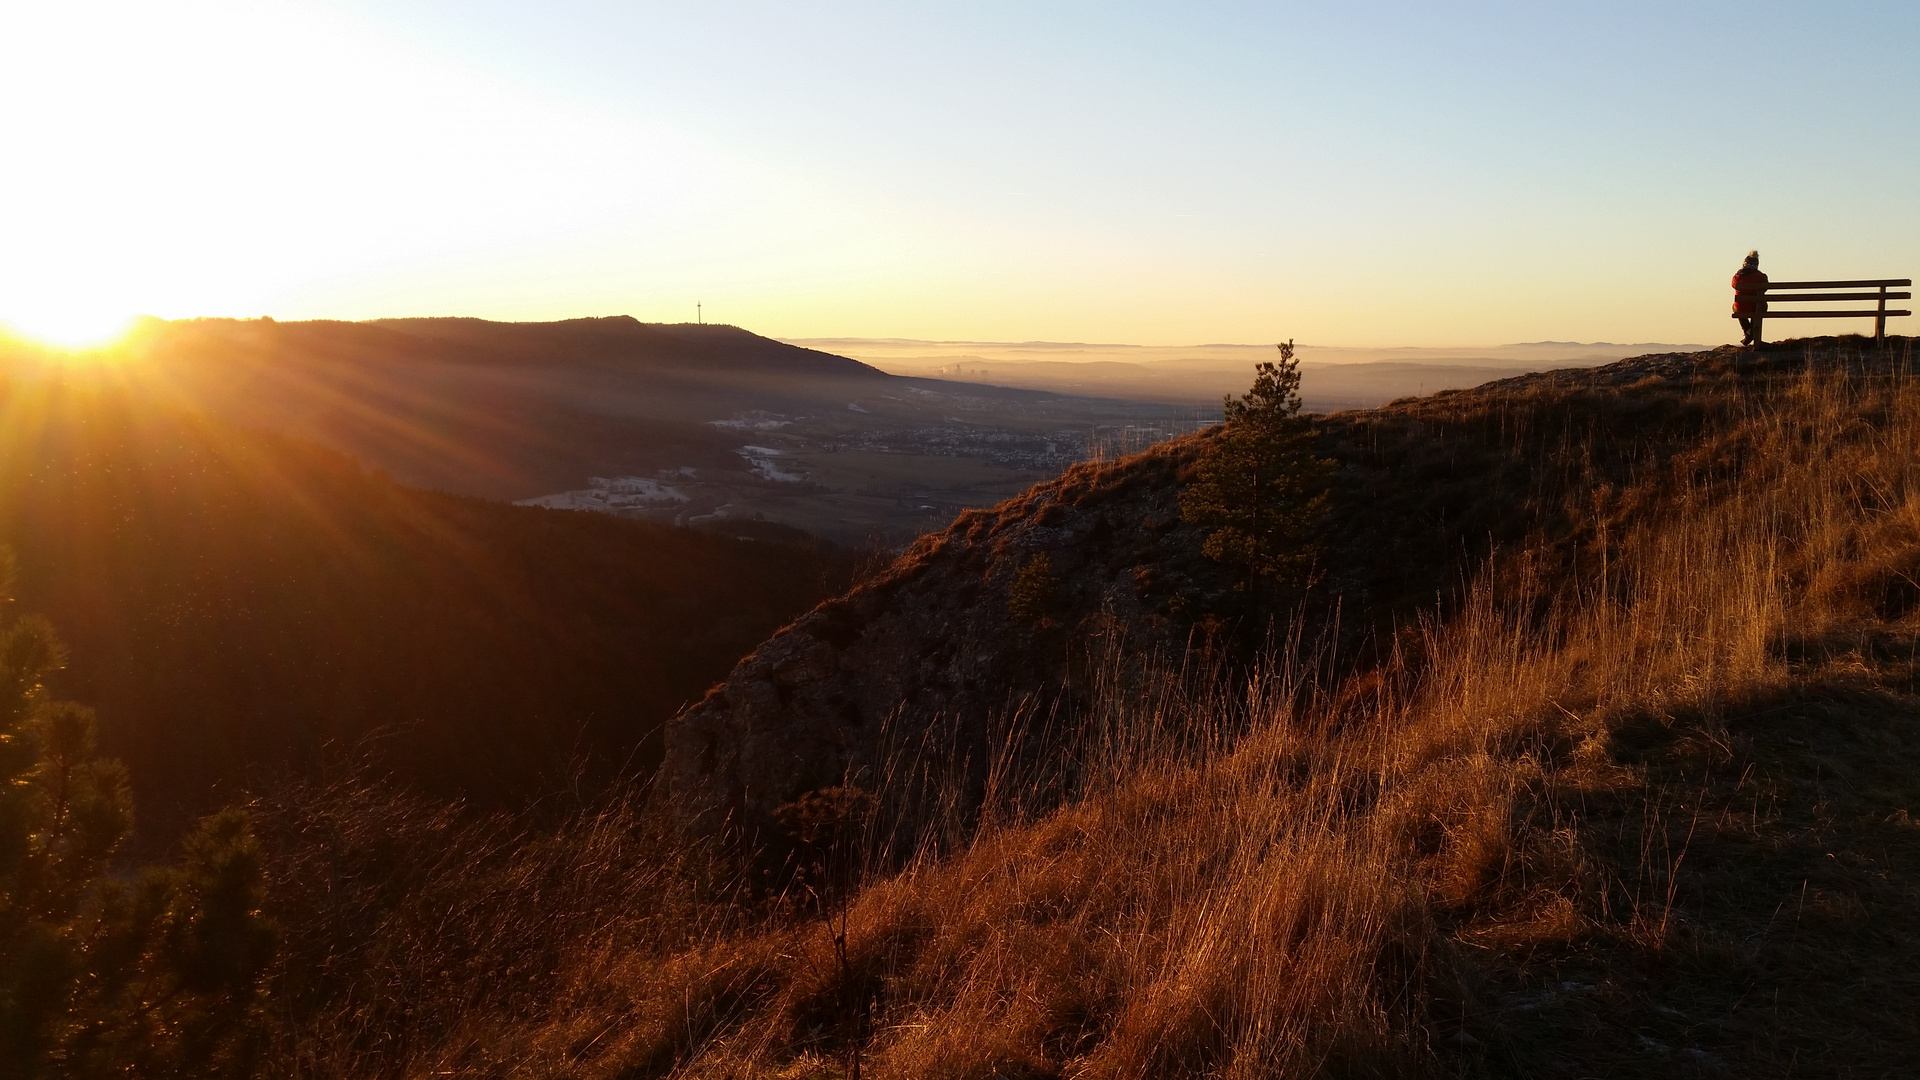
[(159, 977), (1035, 593)]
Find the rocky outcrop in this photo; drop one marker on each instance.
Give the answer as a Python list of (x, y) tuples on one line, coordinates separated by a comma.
[(937, 637)]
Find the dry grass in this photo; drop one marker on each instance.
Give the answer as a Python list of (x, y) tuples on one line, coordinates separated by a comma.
[(1540, 838)]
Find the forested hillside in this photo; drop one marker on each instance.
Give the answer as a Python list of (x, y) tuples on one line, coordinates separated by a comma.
[(241, 605)]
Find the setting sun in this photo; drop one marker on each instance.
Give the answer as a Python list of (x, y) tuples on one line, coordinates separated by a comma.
[(70, 330)]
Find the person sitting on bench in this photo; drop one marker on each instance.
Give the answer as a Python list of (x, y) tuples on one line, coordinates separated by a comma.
[(1750, 298)]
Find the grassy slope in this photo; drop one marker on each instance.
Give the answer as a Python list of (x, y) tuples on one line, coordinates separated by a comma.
[(1633, 800), (239, 604)]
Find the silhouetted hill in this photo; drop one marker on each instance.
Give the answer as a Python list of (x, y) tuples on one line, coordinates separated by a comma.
[(614, 341), (503, 410), (237, 603), (684, 423), (752, 350)]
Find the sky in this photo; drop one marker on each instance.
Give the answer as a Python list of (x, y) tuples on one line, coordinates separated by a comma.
[(1363, 173)]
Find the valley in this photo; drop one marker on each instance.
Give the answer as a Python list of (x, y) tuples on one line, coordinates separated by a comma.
[(889, 467)]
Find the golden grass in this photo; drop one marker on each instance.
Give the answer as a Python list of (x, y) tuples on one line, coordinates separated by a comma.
[(1282, 874)]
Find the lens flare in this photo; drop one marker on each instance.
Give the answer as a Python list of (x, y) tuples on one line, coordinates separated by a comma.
[(75, 330)]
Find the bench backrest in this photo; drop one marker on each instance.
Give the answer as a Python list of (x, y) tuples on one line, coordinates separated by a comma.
[(1879, 314)]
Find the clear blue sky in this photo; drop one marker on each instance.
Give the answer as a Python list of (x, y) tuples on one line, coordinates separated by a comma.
[(1354, 173)]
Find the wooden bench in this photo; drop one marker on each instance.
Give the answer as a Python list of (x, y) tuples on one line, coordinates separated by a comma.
[(1879, 315)]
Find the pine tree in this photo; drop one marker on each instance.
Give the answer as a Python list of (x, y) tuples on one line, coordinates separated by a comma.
[(1259, 486), (99, 977)]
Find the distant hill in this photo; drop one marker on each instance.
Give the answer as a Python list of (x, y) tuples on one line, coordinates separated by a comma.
[(715, 423), (502, 410), (618, 341), (1334, 377), (241, 604)]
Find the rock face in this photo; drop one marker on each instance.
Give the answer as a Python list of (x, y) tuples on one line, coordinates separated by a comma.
[(937, 637)]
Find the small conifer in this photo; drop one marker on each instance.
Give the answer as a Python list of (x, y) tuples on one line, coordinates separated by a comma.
[(1259, 487), (155, 978)]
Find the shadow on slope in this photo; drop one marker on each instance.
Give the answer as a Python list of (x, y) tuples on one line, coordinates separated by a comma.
[(240, 604)]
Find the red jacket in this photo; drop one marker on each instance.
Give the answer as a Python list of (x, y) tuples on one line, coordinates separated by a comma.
[(1749, 292)]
